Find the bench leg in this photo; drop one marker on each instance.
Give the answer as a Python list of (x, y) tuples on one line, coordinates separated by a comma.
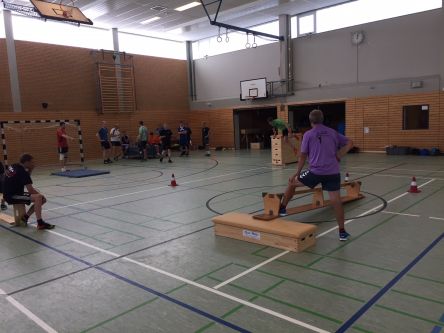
[(19, 211), (318, 198)]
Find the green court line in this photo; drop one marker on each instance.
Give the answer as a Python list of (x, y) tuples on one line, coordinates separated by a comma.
[(108, 227), (425, 278), (300, 308), (352, 240), (37, 250), (343, 277), (44, 268), (152, 300), (407, 314), (354, 262), (237, 308)]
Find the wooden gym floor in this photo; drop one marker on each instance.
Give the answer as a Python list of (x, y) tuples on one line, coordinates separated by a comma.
[(131, 254)]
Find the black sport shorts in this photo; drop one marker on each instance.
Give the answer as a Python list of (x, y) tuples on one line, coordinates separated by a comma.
[(18, 199), (142, 144), (330, 183), (116, 143), (63, 150), (105, 144)]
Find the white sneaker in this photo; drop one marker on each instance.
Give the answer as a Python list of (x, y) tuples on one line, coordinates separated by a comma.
[(63, 169)]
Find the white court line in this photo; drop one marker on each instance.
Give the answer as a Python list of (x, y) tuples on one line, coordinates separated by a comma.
[(217, 292), (198, 285), (398, 169), (403, 214), (28, 313), (250, 270), (436, 218), (375, 208), (318, 236), (149, 190)]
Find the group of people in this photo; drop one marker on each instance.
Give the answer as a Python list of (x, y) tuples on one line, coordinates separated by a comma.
[(322, 146), (155, 144)]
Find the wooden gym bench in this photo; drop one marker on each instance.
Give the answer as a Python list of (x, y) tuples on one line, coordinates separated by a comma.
[(272, 201), (279, 233), (19, 211)]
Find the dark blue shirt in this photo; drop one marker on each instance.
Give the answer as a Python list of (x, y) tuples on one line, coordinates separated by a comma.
[(103, 134)]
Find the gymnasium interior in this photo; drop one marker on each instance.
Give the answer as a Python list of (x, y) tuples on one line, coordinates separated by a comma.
[(197, 245)]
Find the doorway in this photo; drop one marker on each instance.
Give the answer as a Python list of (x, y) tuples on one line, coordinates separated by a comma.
[(334, 116), (250, 125)]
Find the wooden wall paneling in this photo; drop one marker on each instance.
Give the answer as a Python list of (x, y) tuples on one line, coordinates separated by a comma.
[(415, 138)]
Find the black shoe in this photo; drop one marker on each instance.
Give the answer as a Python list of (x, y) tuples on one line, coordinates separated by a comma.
[(109, 161), (161, 159), (3, 206), (169, 161), (182, 153), (44, 225)]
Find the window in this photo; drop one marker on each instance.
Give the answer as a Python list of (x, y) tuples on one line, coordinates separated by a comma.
[(415, 117), (364, 11), (150, 46), (2, 26), (52, 32), (307, 24), (355, 13), (294, 26)]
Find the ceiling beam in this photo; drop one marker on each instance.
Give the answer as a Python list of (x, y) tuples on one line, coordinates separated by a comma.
[(214, 22)]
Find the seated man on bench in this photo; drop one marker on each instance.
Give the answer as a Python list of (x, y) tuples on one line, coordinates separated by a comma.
[(17, 177)]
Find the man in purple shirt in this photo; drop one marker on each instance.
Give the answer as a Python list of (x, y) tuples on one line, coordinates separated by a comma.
[(324, 148)]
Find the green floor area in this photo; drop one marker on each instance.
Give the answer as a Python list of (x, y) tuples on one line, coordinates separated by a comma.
[(132, 254)]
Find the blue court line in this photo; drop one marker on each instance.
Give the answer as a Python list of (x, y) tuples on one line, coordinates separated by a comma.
[(345, 326), (438, 329), (136, 284)]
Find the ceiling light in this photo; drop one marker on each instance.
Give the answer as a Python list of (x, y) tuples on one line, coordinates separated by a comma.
[(175, 31), (188, 6), (155, 18)]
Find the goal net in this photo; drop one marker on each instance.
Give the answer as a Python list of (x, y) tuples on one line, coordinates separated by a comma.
[(38, 138)]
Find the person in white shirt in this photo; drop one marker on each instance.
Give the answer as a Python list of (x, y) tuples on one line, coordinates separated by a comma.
[(115, 142)]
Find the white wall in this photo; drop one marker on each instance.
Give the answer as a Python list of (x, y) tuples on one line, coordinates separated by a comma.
[(218, 77), (394, 52)]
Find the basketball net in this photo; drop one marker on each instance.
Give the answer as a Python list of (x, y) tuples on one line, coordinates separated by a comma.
[(66, 9)]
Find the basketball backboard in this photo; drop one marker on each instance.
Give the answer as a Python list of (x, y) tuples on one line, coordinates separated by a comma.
[(253, 89), (60, 12)]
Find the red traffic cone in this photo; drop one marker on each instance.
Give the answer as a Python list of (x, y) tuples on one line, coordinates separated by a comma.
[(347, 177), (414, 186), (173, 181)]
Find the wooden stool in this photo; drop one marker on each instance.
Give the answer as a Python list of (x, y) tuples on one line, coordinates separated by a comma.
[(19, 211)]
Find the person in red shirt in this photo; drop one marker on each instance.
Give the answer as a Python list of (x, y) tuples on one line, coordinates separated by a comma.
[(62, 145)]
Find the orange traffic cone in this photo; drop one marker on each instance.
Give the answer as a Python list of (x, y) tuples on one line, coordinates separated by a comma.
[(347, 177), (414, 186), (173, 181)]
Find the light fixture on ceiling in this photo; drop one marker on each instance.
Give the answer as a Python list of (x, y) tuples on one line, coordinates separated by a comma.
[(155, 18), (187, 6), (177, 31)]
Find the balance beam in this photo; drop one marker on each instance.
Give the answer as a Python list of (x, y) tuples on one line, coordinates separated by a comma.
[(279, 233), (272, 201)]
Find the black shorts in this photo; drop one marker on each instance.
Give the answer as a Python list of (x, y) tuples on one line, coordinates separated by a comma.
[(166, 145), (142, 144), (63, 150), (285, 132), (24, 198), (206, 141), (115, 143), (105, 145), (329, 183)]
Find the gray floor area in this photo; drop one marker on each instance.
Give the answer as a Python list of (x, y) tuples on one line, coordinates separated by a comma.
[(131, 254)]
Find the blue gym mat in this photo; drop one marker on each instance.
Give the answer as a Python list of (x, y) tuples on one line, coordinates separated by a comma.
[(80, 173)]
